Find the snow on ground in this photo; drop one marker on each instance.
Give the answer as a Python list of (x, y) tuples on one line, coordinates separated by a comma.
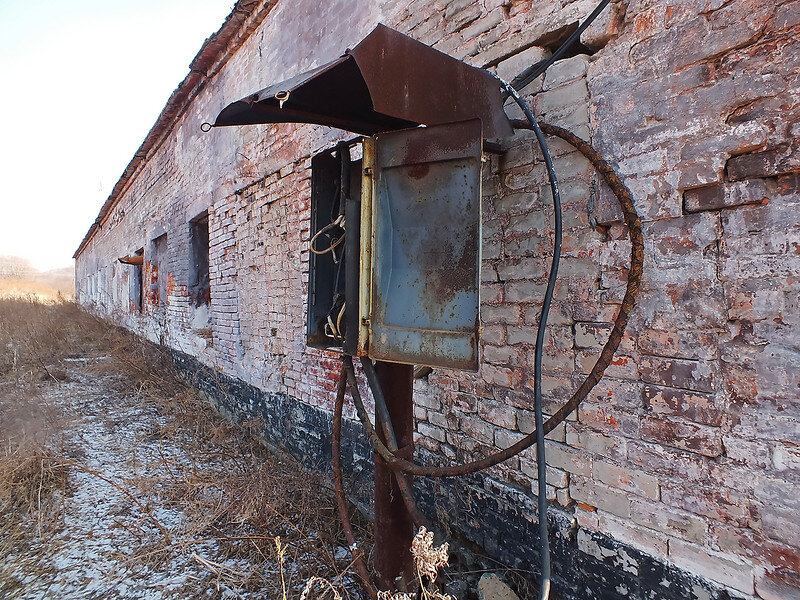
[(104, 545)]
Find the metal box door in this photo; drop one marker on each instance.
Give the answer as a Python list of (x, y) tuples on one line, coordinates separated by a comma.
[(425, 245)]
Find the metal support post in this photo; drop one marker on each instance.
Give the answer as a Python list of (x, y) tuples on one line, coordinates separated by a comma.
[(394, 528)]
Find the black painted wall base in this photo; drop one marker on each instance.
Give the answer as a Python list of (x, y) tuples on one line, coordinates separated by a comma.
[(503, 521)]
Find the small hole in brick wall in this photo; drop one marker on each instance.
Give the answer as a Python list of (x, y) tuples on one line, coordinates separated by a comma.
[(552, 41), (274, 331)]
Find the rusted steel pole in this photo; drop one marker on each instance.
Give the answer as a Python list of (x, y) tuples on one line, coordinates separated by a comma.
[(394, 527)]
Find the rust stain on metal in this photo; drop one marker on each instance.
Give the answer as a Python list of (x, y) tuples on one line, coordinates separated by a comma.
[(394, 526), (412, 81), (426, 252)]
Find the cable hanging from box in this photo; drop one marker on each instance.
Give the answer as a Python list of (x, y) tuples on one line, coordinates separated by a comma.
[(335, 317), (339, 222)]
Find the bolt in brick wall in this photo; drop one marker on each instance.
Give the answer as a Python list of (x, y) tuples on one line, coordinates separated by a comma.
[(686, 452)]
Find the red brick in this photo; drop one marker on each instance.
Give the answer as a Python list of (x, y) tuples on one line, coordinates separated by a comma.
[(768, 163), (683, 434), (726, 195)]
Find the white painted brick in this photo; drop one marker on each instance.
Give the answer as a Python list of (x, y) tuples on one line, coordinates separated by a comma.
[(652, 542), (431, 431), (600, 496), (697, 559), (669, 520), (565, 70), (514, 65), (627, 479)]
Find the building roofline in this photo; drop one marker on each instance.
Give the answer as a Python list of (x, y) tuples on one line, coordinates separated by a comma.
[(245, 16)]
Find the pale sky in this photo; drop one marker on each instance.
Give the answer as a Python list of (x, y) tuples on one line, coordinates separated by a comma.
[(81, 83)]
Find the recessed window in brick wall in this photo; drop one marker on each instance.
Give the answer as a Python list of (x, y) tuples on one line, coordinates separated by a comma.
[(137, 283), (199, 281), (158, 272)]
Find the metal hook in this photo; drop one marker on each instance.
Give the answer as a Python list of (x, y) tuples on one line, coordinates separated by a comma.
[(281, 97)]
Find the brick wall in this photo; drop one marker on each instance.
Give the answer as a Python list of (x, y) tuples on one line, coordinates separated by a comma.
[(686, 454)]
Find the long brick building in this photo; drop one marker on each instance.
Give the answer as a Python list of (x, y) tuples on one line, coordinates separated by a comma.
[(679, 476)]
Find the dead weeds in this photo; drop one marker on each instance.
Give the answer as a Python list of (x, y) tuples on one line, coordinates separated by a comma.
[(235, 496)]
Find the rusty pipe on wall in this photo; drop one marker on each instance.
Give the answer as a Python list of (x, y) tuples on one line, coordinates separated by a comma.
[(338, 484), (136, 260)]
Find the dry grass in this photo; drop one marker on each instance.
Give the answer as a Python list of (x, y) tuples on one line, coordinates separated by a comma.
[(39, 290), (231, 490), (238, 494), (28, 480), (34, 340)]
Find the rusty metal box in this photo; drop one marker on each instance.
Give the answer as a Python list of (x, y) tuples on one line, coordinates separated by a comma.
[(421, 290), (408, 272)]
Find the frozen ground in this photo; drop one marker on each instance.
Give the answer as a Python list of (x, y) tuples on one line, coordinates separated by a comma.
[(145, 512)]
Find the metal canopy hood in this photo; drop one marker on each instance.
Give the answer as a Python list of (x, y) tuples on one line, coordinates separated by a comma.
[(388, 81), (135, 259)]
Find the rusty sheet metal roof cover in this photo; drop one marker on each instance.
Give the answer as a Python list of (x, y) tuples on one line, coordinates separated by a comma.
[(136, 259), (426, 217), (388, 81)]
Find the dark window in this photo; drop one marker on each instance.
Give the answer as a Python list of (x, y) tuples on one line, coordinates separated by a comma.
[(199, 281), (158, 271), (137, 283)]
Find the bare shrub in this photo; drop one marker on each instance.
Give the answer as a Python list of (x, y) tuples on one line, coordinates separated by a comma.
[(27, 478)]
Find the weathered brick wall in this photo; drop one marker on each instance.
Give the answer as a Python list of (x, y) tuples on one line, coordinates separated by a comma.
[(688, 450)]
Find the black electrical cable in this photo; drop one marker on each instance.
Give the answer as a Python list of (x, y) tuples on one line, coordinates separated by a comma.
[(627, 306), (542, 67), (541, 458), (382, 411), (384, 420)]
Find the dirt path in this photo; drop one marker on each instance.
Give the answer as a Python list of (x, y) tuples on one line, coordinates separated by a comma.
[(98, 549), (158, 501)]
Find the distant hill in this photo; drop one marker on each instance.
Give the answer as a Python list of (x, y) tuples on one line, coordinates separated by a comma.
[(19, 278), (62, 279)]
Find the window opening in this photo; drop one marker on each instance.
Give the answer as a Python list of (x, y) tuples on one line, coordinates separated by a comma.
[(199, 280), (137, 282), (158, 274)]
